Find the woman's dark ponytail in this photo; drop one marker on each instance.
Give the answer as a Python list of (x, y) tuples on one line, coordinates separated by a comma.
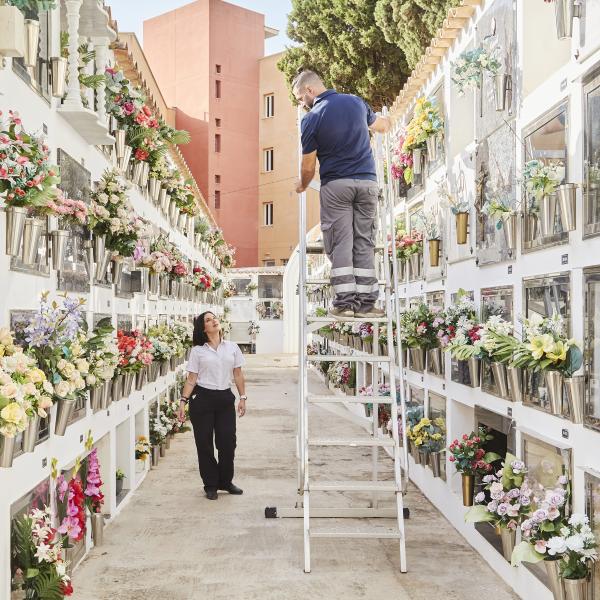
[(199, 337)]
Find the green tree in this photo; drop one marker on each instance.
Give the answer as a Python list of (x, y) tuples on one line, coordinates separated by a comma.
[(341, 41), (411, 24)]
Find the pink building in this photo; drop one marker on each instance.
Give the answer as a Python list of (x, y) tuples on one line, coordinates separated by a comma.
[(205, 57)]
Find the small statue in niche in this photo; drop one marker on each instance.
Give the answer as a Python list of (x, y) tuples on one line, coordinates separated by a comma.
[(480, 184)]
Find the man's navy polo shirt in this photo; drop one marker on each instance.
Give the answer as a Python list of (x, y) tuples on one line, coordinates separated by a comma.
[(337, 127)]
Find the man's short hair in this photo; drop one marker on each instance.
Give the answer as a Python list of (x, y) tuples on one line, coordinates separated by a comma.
[(305, 78)]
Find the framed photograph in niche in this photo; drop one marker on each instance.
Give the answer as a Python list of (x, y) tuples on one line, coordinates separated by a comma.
[(459, 369), (544, 140), (124, 322), (436, 409), (591, 347), (75, 182), (497, 302), (591, 181), (542, 297), (592, 509)]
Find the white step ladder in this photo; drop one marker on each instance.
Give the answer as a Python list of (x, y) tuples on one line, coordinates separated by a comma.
[(306, 444)]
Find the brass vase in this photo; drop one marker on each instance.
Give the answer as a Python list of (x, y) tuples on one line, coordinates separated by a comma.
[(434, 253), (462, 227), (468, 489)]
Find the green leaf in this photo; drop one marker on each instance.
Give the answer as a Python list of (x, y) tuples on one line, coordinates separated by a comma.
[(547, 526), (491, 457), (525, 552), (479, 514)]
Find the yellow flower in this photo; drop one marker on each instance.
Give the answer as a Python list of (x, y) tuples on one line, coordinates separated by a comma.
[(14, 413), (540, 345), (37, 376), (559, 352)]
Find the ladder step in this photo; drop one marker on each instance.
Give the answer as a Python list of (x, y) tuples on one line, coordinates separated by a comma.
[(328, 282), (316, 399), (353, 486), (319, 249), (353, 358), (352, 442), (346, 320), (375, 534)]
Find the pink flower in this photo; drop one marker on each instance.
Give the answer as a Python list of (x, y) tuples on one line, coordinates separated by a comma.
[(128, 108), (540, 546)]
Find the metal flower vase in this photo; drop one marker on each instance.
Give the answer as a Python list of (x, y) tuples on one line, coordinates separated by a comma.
[(567, 194), (554, 579), (96, 397), (515, 383), (508, 537), (434, 252), (15, 224), (566, 11), (417, 155), (155, 455), (7, 451), (173, 213), (575, 387), (106, 398), (165, 201), (119, 135), (509, 225), (123, 163), (116, 270), (66, 406), (547, 214), (32, 42), (58, 75), (164, 368), (435, 462), (128, 379), (164, 285), (462, 227), (474, 365), (101, 256), (468, 489), (576, 589), (136, 174), (31, 434), (153, 369), (432, 143), (500, 379), (154, 283), (162, 449), (12, 38), (154, 188), (145, 174), (116, 388), (554, 387), (59, 248), (414, 263), (88, 259), (32, 233), (502, 85), (417, 359), (435, 363), (97, 520), (140, 379)]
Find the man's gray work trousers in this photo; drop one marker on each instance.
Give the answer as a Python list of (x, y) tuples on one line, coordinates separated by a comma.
[(348, 222)]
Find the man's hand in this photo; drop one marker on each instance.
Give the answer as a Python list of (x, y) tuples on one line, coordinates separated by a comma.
[(242, 407), (181, 414), (299, 187)]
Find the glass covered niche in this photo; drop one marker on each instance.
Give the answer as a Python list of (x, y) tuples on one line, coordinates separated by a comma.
[(591, 350), (592, 509), (591, 197), (542, 297), (495, 302), (415, 405), (459, 370), (546, 141), (437, 410)]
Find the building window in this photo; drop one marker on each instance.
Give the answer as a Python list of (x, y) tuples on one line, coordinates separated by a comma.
[(268, 263), (218, 88), (269, 105), (217, 142), (217, 179), (217, 198), (218, 68), (268, 159), (268, 210), (218, 122)]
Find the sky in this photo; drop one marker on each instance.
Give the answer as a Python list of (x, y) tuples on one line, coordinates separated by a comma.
[(130, 15)]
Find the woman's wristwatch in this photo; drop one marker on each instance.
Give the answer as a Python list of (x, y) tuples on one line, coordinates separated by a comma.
[(184, 399), (244, 397)]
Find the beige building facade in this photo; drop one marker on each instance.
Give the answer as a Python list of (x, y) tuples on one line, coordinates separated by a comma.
[(278, 169)]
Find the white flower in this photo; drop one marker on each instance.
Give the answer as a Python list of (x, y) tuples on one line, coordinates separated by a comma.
[(556, 545), (62, 389), (577, 519), (480, 497), (575, 543), (42, 552)]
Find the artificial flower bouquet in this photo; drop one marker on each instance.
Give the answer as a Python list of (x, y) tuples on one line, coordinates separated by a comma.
[(426, 122), (161, 338), (201, 279), (253, 328), (402, 162), (541, 179), (70, 212), (469, 456), (408, 243), (428, 435), (94, 498), (417, 328), (471, 65), (482, 341), (102, 354), (71, 507), (142, 448), (183, 195), (158, 431), (38, 557), (135, 351)]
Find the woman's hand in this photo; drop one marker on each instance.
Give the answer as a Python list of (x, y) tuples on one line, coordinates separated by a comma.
[(182, 412), (242, 407)]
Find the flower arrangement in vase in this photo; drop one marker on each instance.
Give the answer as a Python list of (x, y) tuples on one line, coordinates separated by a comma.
[(402, 162), (471, 65), (459, 206), (427, 437), (201, 279), (429, 223), (253, 329), (142, 448), (160, 337), (94, 498), (422, 131), (409, 247), (71, 507), (135, 351), (541, 182)]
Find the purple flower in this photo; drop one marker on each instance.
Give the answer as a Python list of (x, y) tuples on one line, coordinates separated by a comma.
[(524, 500), (563, 480), (518, 466), (502, 508), (514, 493), (480, 497), (492, 506), (540, 515)]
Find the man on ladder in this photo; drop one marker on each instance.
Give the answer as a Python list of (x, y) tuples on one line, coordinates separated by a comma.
[(336, 131)]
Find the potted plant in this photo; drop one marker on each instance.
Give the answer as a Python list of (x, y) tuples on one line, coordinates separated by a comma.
[(505, 503), (471, 460), (119, 477), (541, 181)]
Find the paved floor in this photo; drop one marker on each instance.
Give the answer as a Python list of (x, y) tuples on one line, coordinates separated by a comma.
[(170, 543)]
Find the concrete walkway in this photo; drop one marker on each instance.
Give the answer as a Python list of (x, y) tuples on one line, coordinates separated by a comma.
[(170, 543)]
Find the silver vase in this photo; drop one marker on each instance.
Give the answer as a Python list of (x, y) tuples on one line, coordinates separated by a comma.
[(31, 434), (435, 462), (59, 247), (15, 223), (174, 363), (58, 74), (140, 380), (501, 87), (7, 451), (432, 147), (117, 271), (547, 214), (554, 579), (88, 259), (154, 188), (515, 383), (509, 225), (139, 280), (123, 163), (32, 41), (182, 221), (434, 361), (145, 174), (102, 266), (164, 285), (165, 201), (575, 387), (414, 262), (417, 155), (417, 359), (566, 10), (97, 520), (119, 135), (162, 449), (173, 212), (96, 397), (136, 174), (474, 365), (164, 368), (32, 233), (155, 455), (153, 368), (508, 537), (567, 194), (106, 397), (128, 379), (554, 386), (168, 442), (116, 388), (154, 283), (63, 415), (499, 373), (576, 589)]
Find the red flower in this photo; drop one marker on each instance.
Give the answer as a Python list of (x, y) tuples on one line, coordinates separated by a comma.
[(147, 111), (67, 588), (141, 154)]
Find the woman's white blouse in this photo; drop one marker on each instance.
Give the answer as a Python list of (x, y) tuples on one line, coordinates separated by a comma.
[(215, 367)]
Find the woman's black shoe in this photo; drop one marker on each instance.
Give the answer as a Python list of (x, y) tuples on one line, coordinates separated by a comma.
[(233, 489), (212, 494)]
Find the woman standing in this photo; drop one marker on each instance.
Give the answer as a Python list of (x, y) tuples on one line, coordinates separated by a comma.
[(212, 363)]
